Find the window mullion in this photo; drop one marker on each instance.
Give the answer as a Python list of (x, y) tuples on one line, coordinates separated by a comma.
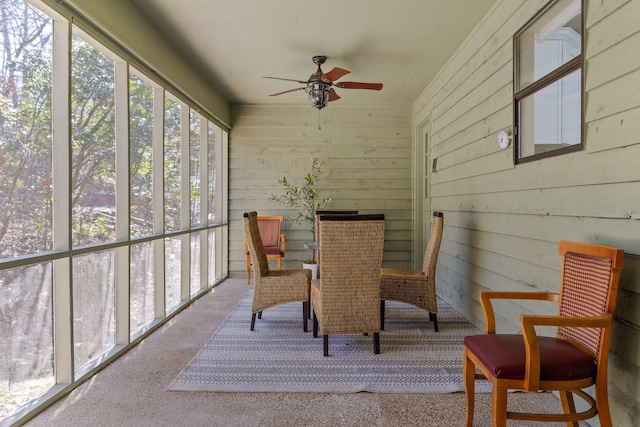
[(222, 188), (123, 180), (158, 201), (61, 170), (550, 78), (204, 202), (185, 203)]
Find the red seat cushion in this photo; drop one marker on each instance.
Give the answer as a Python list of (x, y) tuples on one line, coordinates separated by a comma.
[(270, 251), (273, 251), (504, 356)]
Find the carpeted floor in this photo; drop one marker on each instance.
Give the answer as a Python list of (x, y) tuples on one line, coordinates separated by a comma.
[(132, 391)]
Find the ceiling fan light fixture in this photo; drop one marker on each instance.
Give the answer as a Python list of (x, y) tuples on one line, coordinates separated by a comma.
[(319, 93)]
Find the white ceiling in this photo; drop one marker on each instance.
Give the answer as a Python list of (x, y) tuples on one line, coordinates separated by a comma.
[(401, 43)]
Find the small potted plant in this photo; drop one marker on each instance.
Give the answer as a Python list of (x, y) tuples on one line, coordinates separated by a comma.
[(306, 200)]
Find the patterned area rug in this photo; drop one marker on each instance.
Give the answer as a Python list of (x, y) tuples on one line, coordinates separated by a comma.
[(279, 357)]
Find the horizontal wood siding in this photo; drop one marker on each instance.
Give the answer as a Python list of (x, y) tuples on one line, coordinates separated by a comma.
[(366, 153), (502, 221)]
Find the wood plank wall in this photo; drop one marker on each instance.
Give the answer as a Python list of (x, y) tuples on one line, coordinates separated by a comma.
[(503, 222), (366, 153)]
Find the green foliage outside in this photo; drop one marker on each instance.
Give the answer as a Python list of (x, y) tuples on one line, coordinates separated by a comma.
[(27, 194)]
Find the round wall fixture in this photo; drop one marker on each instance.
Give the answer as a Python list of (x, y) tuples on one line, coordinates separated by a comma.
[(503, 139)]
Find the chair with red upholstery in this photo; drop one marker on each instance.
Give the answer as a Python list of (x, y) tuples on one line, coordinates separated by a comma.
[(272, 239), (572, 360)]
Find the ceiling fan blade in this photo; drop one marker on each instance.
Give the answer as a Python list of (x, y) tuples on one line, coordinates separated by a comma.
[(333, 96), (335, 74), (358, 85), (286, 91), (288, 80)]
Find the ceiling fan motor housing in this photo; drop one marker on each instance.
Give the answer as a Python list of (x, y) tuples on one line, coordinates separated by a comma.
[(319, 93)]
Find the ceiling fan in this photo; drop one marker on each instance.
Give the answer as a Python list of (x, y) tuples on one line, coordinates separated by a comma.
[(320, 84)]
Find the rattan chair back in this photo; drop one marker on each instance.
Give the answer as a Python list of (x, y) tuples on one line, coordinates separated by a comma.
[(433, 246), (256, 247), (346, 298), (416, 287), (273, 287)]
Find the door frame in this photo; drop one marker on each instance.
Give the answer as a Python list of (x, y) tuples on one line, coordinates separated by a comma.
[(421, 196)]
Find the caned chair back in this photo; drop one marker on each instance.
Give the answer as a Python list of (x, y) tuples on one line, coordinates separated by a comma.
[(433, 247), (589, 287), (254, 242), (350, 260), (331, 212)]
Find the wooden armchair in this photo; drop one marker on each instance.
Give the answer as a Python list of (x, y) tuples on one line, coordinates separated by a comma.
[(415, 287), (574, 359), (346, 298), (272, 239), (273, 287)]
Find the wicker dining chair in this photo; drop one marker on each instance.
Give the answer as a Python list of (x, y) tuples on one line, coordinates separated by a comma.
[(415, 287), (272, 238), (316, 229), (574, 359), (346, 297), (330, 212), (273, 287)]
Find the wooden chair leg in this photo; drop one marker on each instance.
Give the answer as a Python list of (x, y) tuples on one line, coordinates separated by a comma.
[(602, 403), (568, 405), (376, 343), (499, 407), (469, 370), (382, 314), (305, 309), (278, 263), (434, 318), (260, 314), (315, 325), (325, 344), (253, 321)]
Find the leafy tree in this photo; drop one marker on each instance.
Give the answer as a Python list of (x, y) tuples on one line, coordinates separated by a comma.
[(172, 165), (26, 337), (25, 132), (93, 145), (141, 161)]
